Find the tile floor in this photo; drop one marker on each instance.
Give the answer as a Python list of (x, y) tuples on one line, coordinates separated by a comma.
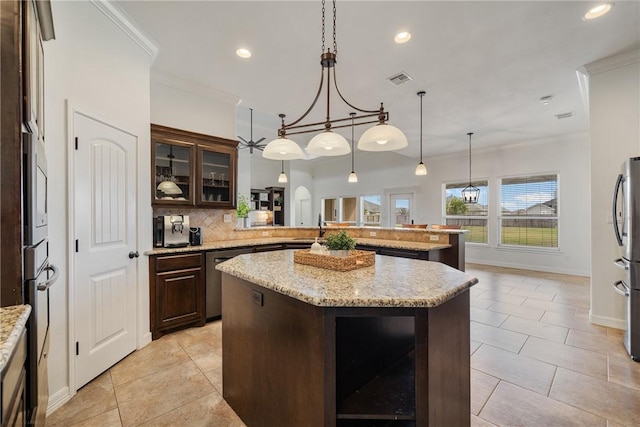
[(536, 361)]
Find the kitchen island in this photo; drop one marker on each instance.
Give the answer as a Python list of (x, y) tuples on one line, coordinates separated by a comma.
[(381, 345)]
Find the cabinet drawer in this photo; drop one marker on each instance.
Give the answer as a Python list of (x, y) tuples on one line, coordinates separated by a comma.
[(178, 262)]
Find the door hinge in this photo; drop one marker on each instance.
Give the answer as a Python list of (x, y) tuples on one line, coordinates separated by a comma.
[(76, 142), (77, 246), (77, 348)]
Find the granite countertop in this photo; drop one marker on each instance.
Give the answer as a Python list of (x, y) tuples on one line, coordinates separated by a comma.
[(391, 282), (230, 244), (12, 322)]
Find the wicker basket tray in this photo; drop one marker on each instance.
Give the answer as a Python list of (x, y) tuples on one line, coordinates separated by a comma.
[(356, 259)]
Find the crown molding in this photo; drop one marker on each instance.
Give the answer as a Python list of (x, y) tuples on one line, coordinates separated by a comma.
[(195, 88), (613, 62), (128, 26)]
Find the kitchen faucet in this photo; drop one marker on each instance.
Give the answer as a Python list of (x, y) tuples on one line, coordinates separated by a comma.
[(320, 231)]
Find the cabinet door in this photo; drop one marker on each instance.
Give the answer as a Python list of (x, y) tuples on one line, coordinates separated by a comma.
[(180, 298), (216, 176), (172, 170)]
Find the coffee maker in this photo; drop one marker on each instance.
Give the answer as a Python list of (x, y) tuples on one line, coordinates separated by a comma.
[(171, 231)]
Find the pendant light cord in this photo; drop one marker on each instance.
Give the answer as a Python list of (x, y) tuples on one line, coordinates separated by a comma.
[(352, 153), (421, 96), (470, 133)]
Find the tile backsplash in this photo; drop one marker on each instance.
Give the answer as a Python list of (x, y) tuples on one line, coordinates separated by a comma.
[(211, 220)]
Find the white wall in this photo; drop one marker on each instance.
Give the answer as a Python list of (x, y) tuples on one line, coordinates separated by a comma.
[(101, 71), (614, 99), (386, 173)]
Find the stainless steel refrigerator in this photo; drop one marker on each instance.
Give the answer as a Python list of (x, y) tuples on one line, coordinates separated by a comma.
[(626, 225)]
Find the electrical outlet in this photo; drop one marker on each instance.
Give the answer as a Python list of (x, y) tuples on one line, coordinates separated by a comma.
[(434, 237), (265, 234), (227, 218), (372, 234)]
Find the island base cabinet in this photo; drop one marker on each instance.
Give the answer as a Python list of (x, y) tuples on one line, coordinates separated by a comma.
[(289, 363)]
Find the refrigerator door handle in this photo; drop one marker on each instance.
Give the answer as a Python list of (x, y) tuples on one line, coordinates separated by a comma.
[(43, 286), (621, 263), (616, 190), (616, 287)]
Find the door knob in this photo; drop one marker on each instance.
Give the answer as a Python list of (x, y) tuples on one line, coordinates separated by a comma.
[(133, 254)]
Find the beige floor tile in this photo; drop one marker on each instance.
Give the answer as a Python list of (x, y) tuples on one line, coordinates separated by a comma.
[(501, 338), (93, 399), (574, 358), (617, 333), (207, 361), (549, 306), (156, 356), (519, 284), (493, 287), (148, 397), (536, 329), (608, 400), (502, 297), (517, 310), (480, 303), (541, 295), (482, 385), (580, 302), (624, 371), (108, 419), (479, 422), (511, 405), (475, 292), (208, 411), (523, 371), (573, 322), (215, 378), (596, 342), (487, 317)]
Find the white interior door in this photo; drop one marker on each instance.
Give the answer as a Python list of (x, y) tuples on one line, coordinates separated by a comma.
[(305, 213), (105, 228)]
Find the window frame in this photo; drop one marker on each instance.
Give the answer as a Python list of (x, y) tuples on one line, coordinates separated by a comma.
[(500, 216)]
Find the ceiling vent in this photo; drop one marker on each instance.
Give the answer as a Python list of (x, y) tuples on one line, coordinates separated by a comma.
[(400, 78), (564, 115)]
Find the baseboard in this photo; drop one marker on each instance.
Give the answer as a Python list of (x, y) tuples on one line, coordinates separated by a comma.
[(609, 322), (146, 339), (57, 399), (544, 268)]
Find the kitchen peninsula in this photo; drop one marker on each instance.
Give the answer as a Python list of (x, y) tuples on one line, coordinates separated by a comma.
[(385, 345)]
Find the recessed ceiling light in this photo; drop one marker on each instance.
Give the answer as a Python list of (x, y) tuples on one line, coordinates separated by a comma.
[(243, 53), (402, 37), (597, 11), (546, 100)]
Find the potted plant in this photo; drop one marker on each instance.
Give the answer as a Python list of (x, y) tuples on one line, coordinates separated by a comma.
[(340, 244), (242, 211)]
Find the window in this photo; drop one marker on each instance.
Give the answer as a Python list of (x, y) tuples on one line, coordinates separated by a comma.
[(472, 217), (370, 210), (400, 205), (529, 211), (348, 210)]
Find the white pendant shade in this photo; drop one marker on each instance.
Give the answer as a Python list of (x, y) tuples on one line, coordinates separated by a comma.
[(169, 187), (283, 178), (421, 169), (328, 144), (282, 149), (353, 177), (382, 138)]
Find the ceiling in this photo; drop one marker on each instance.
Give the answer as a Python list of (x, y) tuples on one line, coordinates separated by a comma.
[(484, 65)]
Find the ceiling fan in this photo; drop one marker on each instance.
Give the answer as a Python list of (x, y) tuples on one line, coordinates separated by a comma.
[(251, 144)]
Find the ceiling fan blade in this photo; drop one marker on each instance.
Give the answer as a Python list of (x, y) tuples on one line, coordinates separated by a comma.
[(243, 140), (260, 140)]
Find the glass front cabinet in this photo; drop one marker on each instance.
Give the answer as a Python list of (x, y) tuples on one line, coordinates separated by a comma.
[(191, 169)]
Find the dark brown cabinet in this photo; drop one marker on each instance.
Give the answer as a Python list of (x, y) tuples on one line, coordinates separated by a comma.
[(192, 169), (177, 292)]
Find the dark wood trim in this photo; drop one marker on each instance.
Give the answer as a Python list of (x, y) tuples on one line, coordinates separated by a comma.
[(11, 153)]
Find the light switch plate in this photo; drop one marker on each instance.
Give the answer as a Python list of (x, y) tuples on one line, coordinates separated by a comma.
[(434, 237), (227, 218)]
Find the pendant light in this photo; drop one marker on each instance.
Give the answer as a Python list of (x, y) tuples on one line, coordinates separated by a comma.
[(282, 148), (169, 186), (283, 176), (470, 193), (381, 137), (421, 169), (352, 176)]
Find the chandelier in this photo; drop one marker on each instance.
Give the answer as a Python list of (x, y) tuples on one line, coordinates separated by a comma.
[(381, 137), (470, 193)]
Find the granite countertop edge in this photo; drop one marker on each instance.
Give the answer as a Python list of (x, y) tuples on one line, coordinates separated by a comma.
[(231, 244), (13, 322)]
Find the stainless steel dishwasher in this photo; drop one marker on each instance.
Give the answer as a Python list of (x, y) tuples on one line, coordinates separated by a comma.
[(214, 279)]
